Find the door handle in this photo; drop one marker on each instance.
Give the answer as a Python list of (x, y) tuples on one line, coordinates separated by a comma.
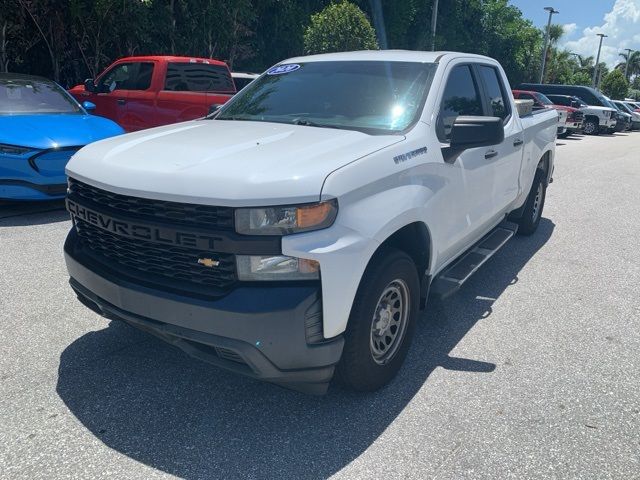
[(490, 154), (517, 142), (121, 101)]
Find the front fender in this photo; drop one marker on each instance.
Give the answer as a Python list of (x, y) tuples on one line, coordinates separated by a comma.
[(345, 249)]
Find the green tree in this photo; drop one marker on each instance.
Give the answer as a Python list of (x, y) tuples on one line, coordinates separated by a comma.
[(614, 85), (339, 27), (633, 60)]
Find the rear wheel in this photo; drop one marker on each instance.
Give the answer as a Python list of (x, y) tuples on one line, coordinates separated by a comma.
[(381, 323), (532, 213)]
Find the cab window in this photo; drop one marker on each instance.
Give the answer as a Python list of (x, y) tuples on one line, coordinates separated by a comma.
[(127, 76), (498, 103), (461, 97), (198, 77)]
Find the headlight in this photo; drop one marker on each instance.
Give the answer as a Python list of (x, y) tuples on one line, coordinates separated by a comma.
[(13, 149), (259, 268), (286, 220)]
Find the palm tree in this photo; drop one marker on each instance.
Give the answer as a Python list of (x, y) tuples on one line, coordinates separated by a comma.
[(634, 63)]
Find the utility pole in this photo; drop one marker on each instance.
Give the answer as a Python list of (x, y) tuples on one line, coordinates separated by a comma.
[(626, 66), (551, 11), (434, 19), (596, 68)]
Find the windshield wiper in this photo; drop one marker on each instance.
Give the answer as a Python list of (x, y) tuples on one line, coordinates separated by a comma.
[(308, 123)]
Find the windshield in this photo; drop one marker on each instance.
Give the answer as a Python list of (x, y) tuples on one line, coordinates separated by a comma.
[(544, 99), (374, 97), (26, 96)]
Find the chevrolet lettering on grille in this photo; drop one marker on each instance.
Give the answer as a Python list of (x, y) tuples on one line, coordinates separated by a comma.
[(151, 233)]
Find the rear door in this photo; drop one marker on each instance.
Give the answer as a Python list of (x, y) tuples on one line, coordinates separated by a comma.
[(189, 88), (504, 160)]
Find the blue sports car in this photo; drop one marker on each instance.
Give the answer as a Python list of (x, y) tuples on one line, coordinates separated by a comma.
[(41, 127)]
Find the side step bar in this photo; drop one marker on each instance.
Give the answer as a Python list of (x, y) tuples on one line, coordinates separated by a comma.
[(452, 277)]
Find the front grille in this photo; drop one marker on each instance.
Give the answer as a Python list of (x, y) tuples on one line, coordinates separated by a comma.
[(193, 215), (161, 265), (576, 116)]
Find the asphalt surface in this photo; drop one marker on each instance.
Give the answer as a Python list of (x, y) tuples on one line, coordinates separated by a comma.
[(532, 370)]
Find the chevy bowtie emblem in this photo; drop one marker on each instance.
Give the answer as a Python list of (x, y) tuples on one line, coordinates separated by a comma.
[(208, 262)]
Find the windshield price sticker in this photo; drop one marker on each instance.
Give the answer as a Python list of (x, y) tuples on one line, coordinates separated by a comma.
[(280, 69)]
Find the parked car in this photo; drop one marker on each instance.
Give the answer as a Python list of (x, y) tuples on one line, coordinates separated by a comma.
[(241, 80), (624, 120), (635, 116), (41, 127), (342, 190), (571, 118), (598, 117), (635, 106), (144, 92)]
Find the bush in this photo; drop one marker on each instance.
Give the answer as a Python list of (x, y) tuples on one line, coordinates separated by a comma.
[(340, 27), (614, 85)]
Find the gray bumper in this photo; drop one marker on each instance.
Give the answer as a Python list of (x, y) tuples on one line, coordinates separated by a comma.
[(272, 333)]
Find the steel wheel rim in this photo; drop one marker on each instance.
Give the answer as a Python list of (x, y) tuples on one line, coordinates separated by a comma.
[(536, 202), (389, 321)]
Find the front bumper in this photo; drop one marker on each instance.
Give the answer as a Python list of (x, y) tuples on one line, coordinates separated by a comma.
[(14, 189), (271, 332)]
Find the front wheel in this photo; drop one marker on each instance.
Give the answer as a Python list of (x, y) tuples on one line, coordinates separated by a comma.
[(590, 127), (532, 213), (381, 323)]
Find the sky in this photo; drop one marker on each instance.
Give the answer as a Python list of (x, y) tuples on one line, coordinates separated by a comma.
[(583, 19)]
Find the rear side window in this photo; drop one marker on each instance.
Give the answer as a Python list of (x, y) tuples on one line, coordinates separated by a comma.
[(461, 97), (127, 76), (198, 77), (497, 99), (561, 100)]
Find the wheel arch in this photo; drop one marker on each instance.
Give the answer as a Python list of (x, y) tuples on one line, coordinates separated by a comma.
[(415, 240)]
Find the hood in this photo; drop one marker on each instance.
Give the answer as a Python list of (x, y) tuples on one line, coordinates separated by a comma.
[(55, 130), (221, 162)]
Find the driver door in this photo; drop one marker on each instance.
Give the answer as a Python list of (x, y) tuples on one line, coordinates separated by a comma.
[(112, 92)]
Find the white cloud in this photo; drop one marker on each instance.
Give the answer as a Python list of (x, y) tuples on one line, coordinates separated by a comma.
[(569, 28), (621, 24)]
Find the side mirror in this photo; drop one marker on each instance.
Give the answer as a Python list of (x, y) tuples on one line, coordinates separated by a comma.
[(473, 132), (214, 108), (89, 85), (89, 106)]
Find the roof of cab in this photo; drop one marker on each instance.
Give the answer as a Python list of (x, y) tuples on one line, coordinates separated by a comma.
[(386, 56), (171, 58)]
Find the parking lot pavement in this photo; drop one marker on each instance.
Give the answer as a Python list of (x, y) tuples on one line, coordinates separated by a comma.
[(531, 371)]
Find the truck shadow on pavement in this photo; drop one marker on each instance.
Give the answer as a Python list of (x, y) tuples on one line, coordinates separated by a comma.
[(149, 401)]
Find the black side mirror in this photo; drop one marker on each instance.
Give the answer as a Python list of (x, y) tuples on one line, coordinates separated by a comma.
[(473, 132), (214, 108), (89, 85)]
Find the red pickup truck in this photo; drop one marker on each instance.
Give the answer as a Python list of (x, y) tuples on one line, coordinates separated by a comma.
[(149, 91)]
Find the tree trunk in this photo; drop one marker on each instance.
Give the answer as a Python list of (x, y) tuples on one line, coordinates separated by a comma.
[(4, 61)]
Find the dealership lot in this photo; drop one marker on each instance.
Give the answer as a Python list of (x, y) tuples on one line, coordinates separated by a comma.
[(531, 370)]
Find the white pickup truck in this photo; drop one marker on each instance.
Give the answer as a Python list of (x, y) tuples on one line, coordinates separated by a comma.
[(299, 230)]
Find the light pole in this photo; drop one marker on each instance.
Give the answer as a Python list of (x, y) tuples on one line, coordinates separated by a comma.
[(595, 69), (434, 19), (551, 11), (626, 66)]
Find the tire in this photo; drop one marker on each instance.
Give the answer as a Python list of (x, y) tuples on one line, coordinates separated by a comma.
[(373, 353), (532, 212), (590, 127)]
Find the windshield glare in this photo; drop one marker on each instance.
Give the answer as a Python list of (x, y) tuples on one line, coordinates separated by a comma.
[(374, 97), (24, 96)]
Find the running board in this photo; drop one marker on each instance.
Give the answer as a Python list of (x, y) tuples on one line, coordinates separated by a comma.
[(452, 277)]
